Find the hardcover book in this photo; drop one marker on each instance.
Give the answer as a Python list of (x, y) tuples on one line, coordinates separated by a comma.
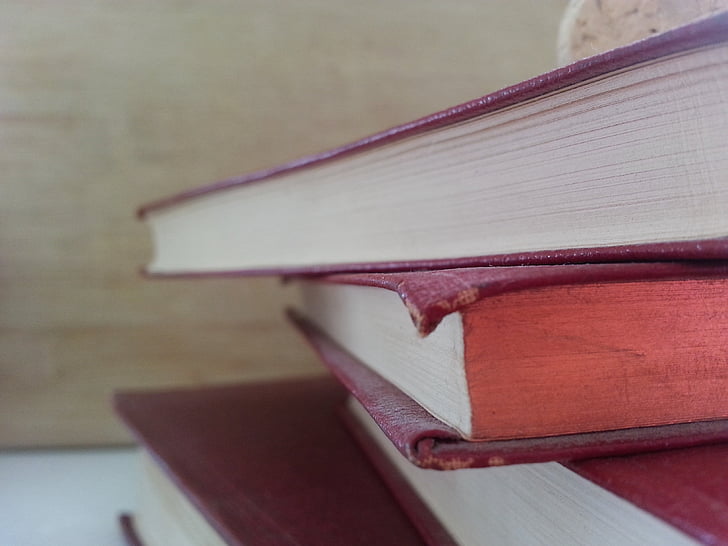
[(520, 352), (676, 497), (429, 443), (260, 463), (616, 157)]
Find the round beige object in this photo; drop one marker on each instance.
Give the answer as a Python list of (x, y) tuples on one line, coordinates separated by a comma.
[(589, 27)]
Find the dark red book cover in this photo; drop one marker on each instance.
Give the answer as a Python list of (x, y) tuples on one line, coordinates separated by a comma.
[(695, 35), (431, 295), (408, 498), (429, 443), (267, 463), (688, 487)]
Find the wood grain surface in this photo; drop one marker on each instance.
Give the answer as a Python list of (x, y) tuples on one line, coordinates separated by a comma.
[(106, 105)]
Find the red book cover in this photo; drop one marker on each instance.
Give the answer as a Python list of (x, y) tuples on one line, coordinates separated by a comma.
[(429, 296), (267, 463), (704, 244), (429, 443), (592, 346), (685, 487), (409, 499)]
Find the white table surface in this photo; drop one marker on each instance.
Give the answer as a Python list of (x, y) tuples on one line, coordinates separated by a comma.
[(65, 498)]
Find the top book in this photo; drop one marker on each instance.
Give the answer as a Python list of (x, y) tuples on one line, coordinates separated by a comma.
[(623, 154)]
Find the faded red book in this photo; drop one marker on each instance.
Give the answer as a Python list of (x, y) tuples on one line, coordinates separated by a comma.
[(620, 156), (520, 352), (686, 487), (676, 497), (429, 442), (261, 463)]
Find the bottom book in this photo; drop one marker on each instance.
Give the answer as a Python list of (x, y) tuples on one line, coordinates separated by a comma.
[(675, 497), (261, 463), (274, 463)]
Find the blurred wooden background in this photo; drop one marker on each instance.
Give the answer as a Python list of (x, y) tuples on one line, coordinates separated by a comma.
[(105, 105)]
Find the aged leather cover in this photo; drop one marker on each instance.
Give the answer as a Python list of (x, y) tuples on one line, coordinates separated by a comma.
[(685, 487), (431, 295), (268, 463), (429, 443), (694, 35)]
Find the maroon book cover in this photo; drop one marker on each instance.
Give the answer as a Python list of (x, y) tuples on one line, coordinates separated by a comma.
[(267, 463), (695, 35), (410, 501), (429, 443), (431, 295), (688, 487)]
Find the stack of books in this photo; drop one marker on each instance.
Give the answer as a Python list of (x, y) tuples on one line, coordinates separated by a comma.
[(522, 301)]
